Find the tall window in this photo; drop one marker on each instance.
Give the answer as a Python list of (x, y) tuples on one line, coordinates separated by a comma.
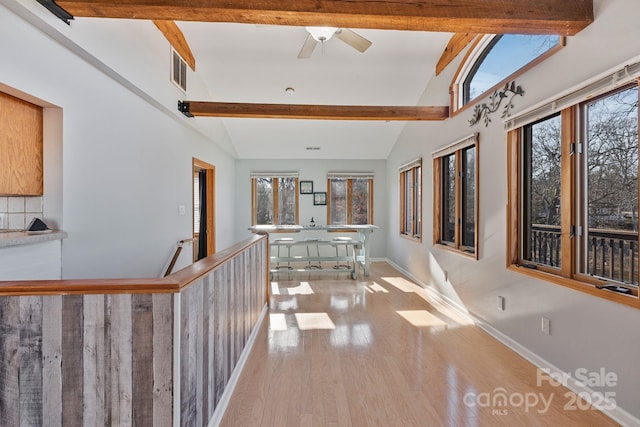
[(541, 182), (455, 177), (496, 59), (275, 199), (411, 200), (573, 198), (350, 198)]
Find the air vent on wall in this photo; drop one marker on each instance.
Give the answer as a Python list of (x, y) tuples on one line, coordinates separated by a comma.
[(313, 148), (178, 70)]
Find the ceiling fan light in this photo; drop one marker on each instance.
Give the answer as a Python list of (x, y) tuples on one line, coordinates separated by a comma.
[(321, 34)]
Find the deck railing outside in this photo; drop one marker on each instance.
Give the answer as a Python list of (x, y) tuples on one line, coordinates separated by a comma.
[(611, 254)]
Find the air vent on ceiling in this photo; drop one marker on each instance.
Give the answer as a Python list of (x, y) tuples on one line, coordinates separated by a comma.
[(178, 70), (313, 148)]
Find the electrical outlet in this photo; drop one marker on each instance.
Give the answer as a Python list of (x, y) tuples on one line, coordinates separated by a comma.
[(501, 303), (181, 210), (546, 326)]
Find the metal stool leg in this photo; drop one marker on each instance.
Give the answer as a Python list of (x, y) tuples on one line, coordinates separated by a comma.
[(313, 266), (346, 249)]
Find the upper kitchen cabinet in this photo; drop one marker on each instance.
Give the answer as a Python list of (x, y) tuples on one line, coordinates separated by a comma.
[(21, 138)]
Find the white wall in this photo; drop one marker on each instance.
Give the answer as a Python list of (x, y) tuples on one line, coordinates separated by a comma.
[(316, 171), (126, 153), (587, 331)]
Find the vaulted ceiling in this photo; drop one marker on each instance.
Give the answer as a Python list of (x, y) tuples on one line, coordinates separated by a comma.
[(246, 51)]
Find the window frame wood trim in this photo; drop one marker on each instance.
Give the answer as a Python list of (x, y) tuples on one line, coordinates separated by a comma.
[(276, 208), (566, 275), (411, 167), (456, 148), (349, 195), (455, 88)]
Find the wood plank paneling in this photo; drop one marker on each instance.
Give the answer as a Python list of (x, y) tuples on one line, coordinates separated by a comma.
[(10, 367), (188, 360), (121, 360), (107, 359), (93, 360), (162, 360), (72, 355), (52, 360), (142, 358), (30, 355)]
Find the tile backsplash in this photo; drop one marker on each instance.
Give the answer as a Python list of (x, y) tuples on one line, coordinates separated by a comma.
[(17, 212)]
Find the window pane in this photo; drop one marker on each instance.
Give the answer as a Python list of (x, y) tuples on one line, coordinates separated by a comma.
[(264, 201), (287, 201), (469, 197), (448, 198), (360, 200), (612, 196), (541, 192), (408, 206), (338, 201), (504, 56), (418, 207)]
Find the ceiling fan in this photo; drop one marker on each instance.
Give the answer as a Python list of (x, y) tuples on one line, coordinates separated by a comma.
[(323, 34)]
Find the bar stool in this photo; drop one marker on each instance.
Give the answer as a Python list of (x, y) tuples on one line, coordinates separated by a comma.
[(310, 241), (341, 239), (286, 241)]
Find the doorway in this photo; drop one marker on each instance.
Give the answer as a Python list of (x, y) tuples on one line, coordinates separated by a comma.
[(204, 232)]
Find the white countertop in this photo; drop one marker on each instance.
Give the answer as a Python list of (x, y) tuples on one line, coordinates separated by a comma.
[(17, 238), (296, 228)]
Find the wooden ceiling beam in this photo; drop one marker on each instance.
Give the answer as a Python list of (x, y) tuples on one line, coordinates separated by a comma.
[(176, 38), (563, 17), (311, 112), (458, 42)]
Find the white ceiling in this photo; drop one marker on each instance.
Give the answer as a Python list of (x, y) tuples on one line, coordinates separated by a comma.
[(255, 64)]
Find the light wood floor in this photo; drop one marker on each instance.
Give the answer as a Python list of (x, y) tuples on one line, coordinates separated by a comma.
[(337, 352)]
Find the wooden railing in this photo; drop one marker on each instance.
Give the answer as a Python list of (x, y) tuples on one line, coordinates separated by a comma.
[(611, 254), (130, 352), (545, 244)]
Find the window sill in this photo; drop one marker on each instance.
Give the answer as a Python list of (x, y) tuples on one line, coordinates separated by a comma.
[(472, 255), (630, 300), (412, 238)]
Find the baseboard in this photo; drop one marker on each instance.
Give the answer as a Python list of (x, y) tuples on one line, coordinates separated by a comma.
[(235, 375), (617, 414)]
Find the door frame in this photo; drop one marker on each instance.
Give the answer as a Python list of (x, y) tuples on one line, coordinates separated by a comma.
[(197, 165)]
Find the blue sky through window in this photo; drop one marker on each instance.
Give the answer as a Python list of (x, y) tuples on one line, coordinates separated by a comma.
[(509, 54)]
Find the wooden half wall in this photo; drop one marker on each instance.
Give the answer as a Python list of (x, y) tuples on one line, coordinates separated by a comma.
[(130, 358)]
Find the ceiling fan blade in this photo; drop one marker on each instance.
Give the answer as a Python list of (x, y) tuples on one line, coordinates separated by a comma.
[(353, 39), (308, 47)]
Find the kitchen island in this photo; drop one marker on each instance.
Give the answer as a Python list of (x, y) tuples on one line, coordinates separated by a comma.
[(360, 244)]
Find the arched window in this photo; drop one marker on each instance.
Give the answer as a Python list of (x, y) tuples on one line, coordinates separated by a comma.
[(496, 59)]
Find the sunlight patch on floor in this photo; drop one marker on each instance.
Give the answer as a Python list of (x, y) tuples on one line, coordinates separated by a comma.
[(277, 322), (421, 318), (405, 285), (303, 289), (402, 284), (308, 321), (375, 287)]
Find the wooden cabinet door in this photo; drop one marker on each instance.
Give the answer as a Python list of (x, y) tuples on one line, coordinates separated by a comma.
[(20, 147)]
